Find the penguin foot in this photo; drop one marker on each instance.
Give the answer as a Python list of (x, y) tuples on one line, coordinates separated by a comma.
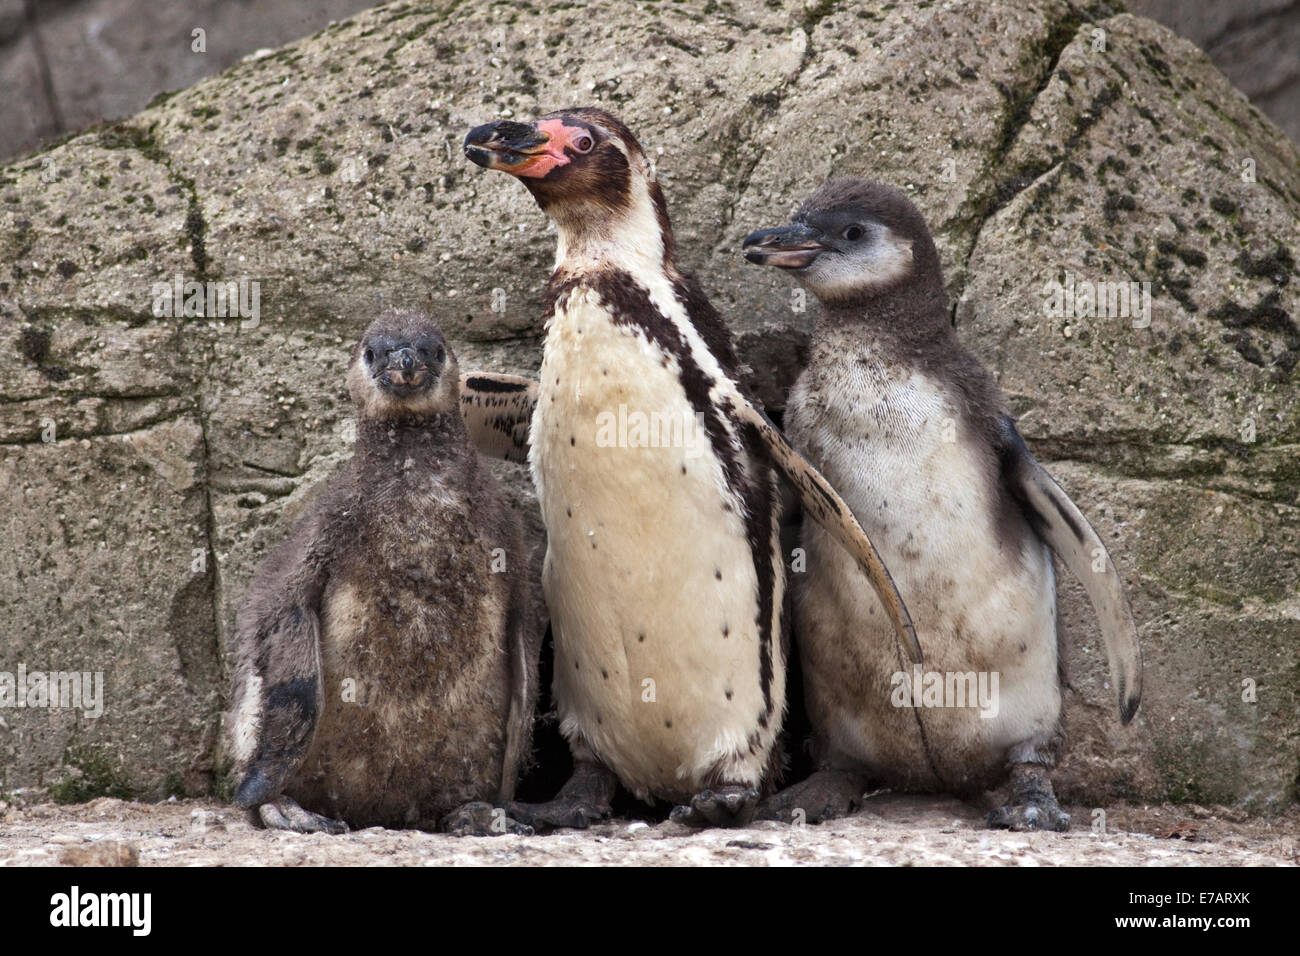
[(1031, 815), (482, 819), (284, 814), (729, 806), (825, 795), (583, 800), (558, 814), (1033, 803)]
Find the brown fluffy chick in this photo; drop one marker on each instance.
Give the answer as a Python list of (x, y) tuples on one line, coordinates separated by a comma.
[(386, 655)]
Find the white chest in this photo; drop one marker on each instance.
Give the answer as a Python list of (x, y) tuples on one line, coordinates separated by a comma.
[(650, 579), (891, 442)]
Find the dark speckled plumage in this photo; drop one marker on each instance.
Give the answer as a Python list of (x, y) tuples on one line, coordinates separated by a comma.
[(386, 673)]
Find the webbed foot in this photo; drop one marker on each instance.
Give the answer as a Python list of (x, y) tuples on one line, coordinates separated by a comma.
[(285, 814), (732, 805), (825, 795), (1033, 803), (583, 800), (482, 819)]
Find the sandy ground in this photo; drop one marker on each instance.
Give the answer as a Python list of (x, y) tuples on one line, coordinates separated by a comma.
[(890, 830)]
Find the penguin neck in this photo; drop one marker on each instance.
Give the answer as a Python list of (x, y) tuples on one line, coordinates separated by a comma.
[(432, 441), (636, 238), (903, 321)]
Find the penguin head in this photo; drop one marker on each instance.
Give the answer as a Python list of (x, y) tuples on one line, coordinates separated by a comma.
[(402, 368), (583, 166), (850, 241)]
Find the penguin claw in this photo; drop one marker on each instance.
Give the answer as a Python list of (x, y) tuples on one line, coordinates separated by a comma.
[(481, 819), (730, 806), (1029, 816), (558, 814), (1033, 803), (582, 801), (284, 814), (825, 795)]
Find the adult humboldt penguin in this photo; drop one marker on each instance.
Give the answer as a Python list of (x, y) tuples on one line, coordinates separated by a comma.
[(386, 653), (663, 572), (889, 391)]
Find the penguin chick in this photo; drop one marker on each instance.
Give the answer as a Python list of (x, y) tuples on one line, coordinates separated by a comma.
[(888, 391), (663, 573), (386, 656)]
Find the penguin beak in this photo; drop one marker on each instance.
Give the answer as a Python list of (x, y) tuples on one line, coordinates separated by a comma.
[(787, 247), (520, 149), (406, 367)]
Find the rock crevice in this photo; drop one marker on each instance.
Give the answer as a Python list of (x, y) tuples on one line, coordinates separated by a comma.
[(329, 173)]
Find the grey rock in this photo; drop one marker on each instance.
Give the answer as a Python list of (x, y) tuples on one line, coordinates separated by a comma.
[(1256, 43), (26, 114), (330, 172), (12, 16), (108, 58)]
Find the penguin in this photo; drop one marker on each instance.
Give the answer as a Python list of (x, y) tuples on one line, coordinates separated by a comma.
[(663, 574), (889, 390), (386, 654), (498, 412)]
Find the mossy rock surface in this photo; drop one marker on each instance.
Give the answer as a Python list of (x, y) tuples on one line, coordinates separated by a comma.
[(1040, 138)]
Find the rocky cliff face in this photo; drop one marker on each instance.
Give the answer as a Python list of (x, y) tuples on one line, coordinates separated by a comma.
[(149, 461), (71, 63), (1253, 42), (67, 64)]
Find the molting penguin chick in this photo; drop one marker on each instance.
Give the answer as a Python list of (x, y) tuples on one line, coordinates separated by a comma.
[(889, 390), (663, 571), (385, 652)]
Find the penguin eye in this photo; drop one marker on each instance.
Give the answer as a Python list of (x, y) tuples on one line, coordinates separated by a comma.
[(854, 233), (369, 356), (440, 354), (583, 143)]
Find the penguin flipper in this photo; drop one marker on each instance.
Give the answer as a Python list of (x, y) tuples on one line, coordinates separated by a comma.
[(523, 647), (279, 684), (281, 700), (831, 512), (1059, 522), (498, 411)]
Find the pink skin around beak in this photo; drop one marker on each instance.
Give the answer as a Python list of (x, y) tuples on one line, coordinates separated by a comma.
[(529, 150), (558, 137)]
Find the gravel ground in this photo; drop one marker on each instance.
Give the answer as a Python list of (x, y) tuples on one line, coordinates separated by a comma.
[(890, 830)]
